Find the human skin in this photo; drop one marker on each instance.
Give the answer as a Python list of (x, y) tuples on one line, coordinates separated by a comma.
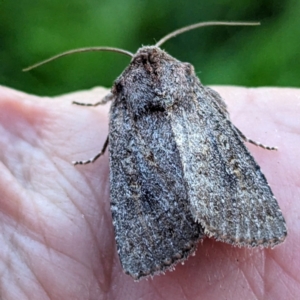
[(57, 239)]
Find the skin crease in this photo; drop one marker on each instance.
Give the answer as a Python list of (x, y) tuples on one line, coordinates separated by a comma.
[(56, 236)]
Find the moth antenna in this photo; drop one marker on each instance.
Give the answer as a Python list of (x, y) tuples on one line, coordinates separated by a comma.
[(78, 51), (202, 24)]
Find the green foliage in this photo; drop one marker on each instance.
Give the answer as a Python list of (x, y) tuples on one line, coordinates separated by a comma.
[(250, 56)]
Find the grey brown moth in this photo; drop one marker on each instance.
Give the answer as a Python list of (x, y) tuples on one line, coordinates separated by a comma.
[(179, 169)]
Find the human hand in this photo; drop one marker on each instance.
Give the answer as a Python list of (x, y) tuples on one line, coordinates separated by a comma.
[(57, 239)]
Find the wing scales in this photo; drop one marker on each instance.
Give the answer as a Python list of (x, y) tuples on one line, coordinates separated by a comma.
[(153, 224), (229, 195)]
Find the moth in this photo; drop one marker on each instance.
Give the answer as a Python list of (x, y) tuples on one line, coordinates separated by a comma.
[(179, 169)]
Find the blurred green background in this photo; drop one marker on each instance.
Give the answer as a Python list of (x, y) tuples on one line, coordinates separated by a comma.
[(31, 31)]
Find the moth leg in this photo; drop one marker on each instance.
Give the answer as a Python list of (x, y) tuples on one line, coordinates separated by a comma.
[(104, 100), (253, 142), (91, 160)]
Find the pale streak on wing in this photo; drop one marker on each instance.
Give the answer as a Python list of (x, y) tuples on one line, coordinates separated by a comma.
[(154, 227)]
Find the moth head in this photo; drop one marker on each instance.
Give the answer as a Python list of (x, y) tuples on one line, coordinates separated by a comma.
[(153, 82)]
